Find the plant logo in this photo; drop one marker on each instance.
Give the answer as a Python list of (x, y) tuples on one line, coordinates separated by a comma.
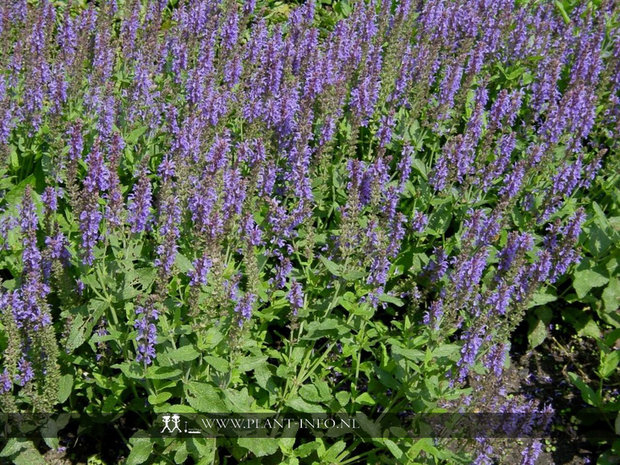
[(174, 419)]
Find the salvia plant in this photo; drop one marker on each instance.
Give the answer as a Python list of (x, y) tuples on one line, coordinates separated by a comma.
[(212, 205)]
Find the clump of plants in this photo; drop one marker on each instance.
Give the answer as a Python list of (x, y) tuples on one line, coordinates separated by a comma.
[(209, 207)]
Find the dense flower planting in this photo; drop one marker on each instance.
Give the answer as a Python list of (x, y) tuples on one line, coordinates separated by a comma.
[(205, 207)]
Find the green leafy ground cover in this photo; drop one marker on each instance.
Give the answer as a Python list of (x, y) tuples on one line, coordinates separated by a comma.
[(347, 207)]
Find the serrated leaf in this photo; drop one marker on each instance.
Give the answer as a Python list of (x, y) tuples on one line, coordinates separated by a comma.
[(29, 456), (239, 400), (249, 363), (218, 363), (264, 378), (542, 297), (328, 327), (140, 451), (130, 369), (13, 446), (353, 275), (420, 167), (447, 350), (182, 263), (178, 408), (183, 354), (205, 398), (585, 280), (310, 393), (611, 295), (155, 372), (332, 267), (300, 405), (410, 354), (210, 339), (84, 322)]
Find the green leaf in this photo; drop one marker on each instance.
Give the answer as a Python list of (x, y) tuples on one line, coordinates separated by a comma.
[(300, 405), (260, 447), (310, 393), (420, 167), (177, 408), (424, 444), (160, 398), (183, 354), (238, 400), (203, 448), (391, 299), (50, 430), (394, 449), (29, 456), (609, 363), (306, 449), (451, 351), (64, 387), (537, 333), (410, 354), (319, 329), (250, 363), (562, 11), (583, 322), (182, 263), (585, 280), (13, 446), (210, 339), (84, 322), (331, 454), (332, 267), (542, 297), (587, 393), (205, 398), (365, 399), (134, 135), (181, 453), (218, 363), (130, 369), (140, 451), (14, 195), (514, 74), (264, 377), (343, 397), (354, 275), (155, 372), (611, 295)]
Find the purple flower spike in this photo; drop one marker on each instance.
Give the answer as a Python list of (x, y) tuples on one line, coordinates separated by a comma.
[(198, 276), (147, 333), (296, 296), (5, 382), (139, 205), (25, 372), (244, 306)]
